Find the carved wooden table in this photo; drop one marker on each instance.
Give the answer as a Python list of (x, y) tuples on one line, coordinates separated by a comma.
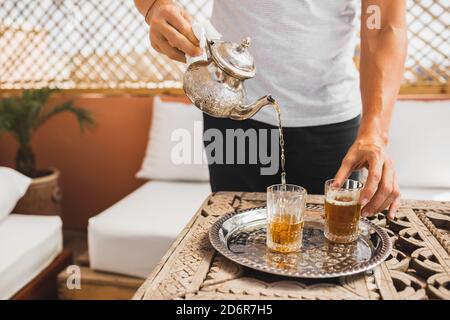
[(418, 268)]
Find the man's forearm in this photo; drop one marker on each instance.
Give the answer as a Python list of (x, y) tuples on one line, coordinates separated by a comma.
[(145, 7), (383, 55)]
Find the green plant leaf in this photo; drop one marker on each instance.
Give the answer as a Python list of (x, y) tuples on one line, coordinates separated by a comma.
[(14, 118), (83, 116)]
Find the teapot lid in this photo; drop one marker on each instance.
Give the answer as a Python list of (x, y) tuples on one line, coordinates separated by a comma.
[(234, 58)]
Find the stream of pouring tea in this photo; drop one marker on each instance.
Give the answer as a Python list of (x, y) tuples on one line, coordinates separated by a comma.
[(277, 108), (288, 223)]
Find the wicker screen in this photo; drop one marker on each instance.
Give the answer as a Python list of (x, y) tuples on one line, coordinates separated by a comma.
[(428, 64), (103, 45)]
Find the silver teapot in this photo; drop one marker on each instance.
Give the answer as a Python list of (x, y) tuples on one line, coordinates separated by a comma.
[(216, 86)]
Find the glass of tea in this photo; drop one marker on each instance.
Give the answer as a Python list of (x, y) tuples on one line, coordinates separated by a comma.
[(342, 210), (285, 210)]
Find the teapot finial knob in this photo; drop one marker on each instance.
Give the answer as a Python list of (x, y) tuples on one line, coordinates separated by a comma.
[(245, 43)]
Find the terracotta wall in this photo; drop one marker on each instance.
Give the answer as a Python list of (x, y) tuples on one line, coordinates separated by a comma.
[(98, 167)]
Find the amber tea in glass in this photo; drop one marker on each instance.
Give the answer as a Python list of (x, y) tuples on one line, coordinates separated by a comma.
[(285, 209), (342, 211)]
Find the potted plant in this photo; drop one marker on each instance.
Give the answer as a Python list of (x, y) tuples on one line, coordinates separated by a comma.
[(21, 116)]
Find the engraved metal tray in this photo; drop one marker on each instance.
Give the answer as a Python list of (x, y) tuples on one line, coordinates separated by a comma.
[(241, 237)]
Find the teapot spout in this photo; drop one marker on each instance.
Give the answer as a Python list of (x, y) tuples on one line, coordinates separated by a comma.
[(245, 112)]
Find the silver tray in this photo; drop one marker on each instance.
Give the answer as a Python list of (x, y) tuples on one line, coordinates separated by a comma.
[(241, 237)]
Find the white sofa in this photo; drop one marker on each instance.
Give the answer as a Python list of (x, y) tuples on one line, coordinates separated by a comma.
[(132, 236), (28, 244)]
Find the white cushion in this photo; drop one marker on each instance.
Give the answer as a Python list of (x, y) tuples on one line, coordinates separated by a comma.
[(175, 147), (13, 186), (28, 244), (419, 143), (132, 236)]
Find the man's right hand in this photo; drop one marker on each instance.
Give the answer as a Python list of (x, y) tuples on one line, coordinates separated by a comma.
[(171, 31)]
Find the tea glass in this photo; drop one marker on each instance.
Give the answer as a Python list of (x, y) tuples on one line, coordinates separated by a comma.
[(342, 210), (285, 217)]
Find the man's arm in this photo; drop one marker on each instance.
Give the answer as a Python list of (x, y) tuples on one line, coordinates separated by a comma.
[(383, 52), (143, 5)]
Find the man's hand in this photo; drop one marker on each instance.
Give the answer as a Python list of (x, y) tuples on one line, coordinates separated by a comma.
[(171, 31), (381, 189)]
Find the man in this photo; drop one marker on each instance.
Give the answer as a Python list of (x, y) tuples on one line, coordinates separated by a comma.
[(303, 50)]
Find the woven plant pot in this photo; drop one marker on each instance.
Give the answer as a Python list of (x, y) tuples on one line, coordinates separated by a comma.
[(43, 197)]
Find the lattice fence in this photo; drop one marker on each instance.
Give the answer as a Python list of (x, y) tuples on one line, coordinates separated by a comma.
[(428, 64), (103, 45)]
